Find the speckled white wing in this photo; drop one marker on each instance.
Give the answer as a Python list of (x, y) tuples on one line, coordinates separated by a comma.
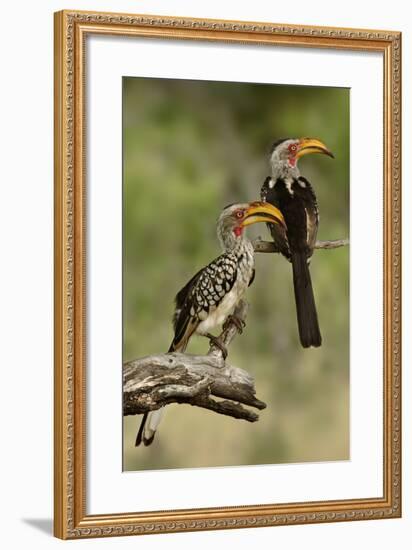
[(202, 295)]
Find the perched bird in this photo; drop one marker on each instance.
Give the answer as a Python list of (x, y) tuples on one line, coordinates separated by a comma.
[(294, 196), (209, 298)]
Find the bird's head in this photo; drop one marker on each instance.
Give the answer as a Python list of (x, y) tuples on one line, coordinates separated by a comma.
[(235, 217), (286, 152)]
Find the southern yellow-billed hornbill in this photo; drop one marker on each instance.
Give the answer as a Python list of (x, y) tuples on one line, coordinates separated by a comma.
[(209, 298), (294, 196)]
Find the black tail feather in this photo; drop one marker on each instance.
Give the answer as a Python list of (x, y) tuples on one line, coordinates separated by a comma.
[(305, 302), (139, 436)]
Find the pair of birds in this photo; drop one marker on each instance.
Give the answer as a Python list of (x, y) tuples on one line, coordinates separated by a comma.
[(289, 207)]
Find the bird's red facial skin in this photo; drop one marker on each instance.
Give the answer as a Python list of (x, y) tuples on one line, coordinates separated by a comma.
[(239, 215), (293, 149)]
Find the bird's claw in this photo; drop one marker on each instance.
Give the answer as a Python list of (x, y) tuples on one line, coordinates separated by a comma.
[(237, 321), (219, 344)]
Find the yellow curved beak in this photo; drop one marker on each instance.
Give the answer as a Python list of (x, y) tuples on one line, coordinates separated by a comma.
[(312, 145), (263, 212)]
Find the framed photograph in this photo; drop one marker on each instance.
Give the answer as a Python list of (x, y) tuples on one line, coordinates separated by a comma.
[(227, 274)]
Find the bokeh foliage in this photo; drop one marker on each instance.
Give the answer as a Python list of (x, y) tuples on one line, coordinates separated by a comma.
[(190, 148)]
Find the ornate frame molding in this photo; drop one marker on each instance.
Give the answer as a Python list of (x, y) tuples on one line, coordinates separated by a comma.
[(71, 521)]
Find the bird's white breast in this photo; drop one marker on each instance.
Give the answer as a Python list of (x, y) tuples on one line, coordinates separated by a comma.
[(219, 315)]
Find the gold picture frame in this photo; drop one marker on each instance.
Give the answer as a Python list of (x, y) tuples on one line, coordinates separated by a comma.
[(71, 520)]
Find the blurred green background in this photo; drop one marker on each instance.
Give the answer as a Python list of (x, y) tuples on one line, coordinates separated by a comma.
[(190, 148)]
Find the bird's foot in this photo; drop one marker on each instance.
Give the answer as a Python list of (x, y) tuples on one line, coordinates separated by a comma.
[(237, 321), (218, 343)]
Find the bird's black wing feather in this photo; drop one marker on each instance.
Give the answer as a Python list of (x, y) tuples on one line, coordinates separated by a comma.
[(310, 203), (264, 190), (182, 295), (270, 193), (181, 316)]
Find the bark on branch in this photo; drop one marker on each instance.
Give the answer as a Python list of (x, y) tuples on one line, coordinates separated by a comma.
[(270, 247), (205, 381)]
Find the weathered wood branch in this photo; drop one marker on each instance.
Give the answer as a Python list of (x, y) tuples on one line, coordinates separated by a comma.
[(270, 247), (205, 381)]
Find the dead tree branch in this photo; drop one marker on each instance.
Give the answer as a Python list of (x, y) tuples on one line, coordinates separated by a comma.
[(270, 247), (201, 380)]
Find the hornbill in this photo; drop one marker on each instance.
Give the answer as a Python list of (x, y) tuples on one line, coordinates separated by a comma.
[(209, 298), (294, 196)]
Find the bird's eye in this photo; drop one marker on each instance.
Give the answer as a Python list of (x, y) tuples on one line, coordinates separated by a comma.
[(239, 214), (293, 148)]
